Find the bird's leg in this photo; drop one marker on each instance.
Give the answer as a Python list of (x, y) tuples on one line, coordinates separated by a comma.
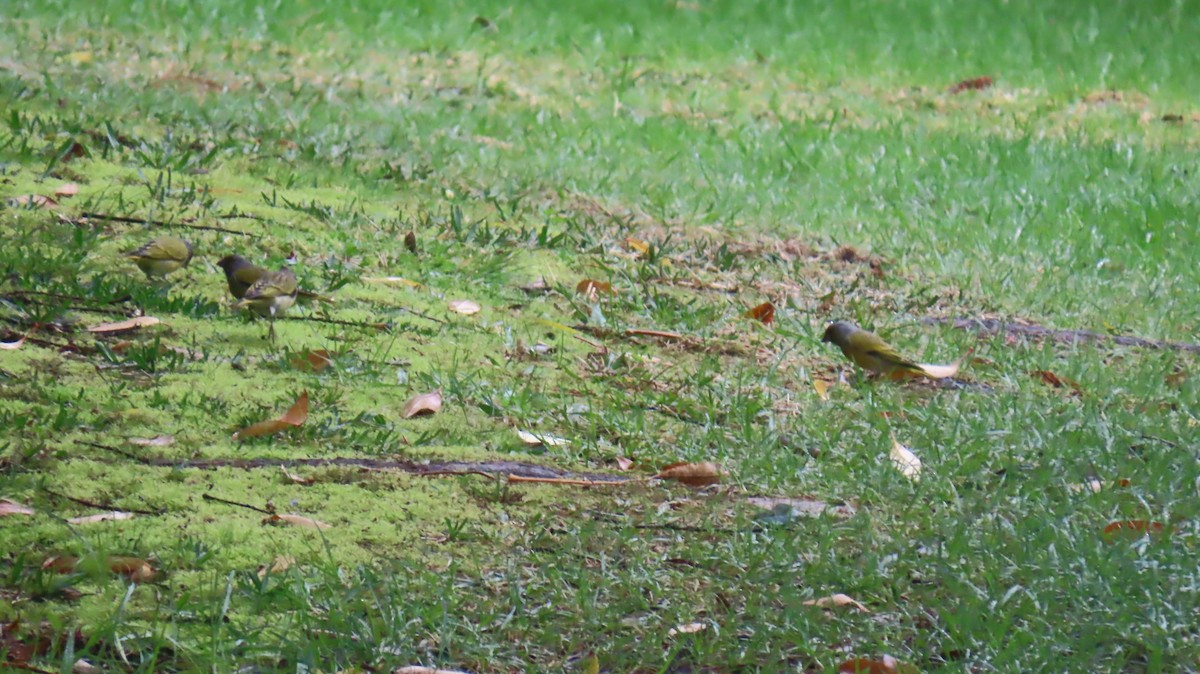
[(271, 323)]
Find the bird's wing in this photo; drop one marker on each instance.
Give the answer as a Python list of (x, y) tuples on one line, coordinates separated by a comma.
[(887, 354)]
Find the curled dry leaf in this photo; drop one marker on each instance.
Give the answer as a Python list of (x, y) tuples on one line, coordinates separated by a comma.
[(836, 601), (689, 628), (10, 346), (296, 521), (535, 439), (905, 461), (296, 415), (295, 479), (465, 307), (692, 474), (624, 462), (1134, 527), (37, 200), (592, 288), (111, 516), (764, 312), (10, 507), (423, 405), (67, 190), (282, 563), (124, 326), (156, 441), (1051, 379), (312, 361)]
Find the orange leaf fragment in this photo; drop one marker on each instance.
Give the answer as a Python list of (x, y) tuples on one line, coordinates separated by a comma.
[(10, 507), (296, 521), (764, 312), (593, 288), (972, 84), (137, 570), (1050, 379), (822, 388), (1136, 527), (837, 600), (312, 361), (423, 405), (637, 245), (124, 326), (692, 474), (886, 665), (296, 415)]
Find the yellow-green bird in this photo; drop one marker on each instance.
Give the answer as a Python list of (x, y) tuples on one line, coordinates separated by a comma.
[(241, 273), (161, 256), (271, 295), (869, 351)]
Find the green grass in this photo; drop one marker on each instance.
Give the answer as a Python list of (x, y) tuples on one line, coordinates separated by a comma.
[(747, 144)]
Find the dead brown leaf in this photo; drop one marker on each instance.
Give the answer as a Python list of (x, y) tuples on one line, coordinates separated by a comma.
[(637, 245), (282, 563), (884, 665), (593, 289), (296, 521), (295, 479), (837, 601), (417, 669), (112, 516), (10, 507), (424, 404), (764, 312), (37, 200), (1134, 527), (972, 84), (1050, 379), (312, 361), (133, 568), (296, 415), (124, 326), (692, 474), (67, 190)]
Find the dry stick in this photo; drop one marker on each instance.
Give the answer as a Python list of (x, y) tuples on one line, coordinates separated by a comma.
[(129, 455), (991, 325), (22, 293), (334, 321), (157, 223), (210, 497), (102, 506)]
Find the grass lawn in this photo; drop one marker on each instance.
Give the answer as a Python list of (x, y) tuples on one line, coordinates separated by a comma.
[(694, 159)]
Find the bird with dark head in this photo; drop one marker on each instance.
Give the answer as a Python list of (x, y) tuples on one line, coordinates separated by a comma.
[(241, 273), (271, 295), (868, 350), (161, 256)]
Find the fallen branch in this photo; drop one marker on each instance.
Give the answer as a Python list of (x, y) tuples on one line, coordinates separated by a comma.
[(157, 223), (993, 325)]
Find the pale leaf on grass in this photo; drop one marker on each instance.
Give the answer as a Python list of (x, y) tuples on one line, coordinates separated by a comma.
[(10, 507), (124, 326), (624, 462), (66, 190), (423, 405), (905, 461), (11, 346), (692, 474), (111, 516), (689, 628), (156, 441), (82, 666), (295, 479), (282, 563), (37, 200), (535, 439), (836, 601), (417, 669), (296, 521), (295, 416), (395, 280), (465, 307)]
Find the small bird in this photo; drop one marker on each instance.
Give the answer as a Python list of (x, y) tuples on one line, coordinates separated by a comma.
[(161, 256), (271, 295), (869, 351), (241, 273)]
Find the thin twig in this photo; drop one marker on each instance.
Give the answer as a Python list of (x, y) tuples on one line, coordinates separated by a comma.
[(102, 506), (158, 223), (116, 450), (210, 497), (58, 296), (334, 321)]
